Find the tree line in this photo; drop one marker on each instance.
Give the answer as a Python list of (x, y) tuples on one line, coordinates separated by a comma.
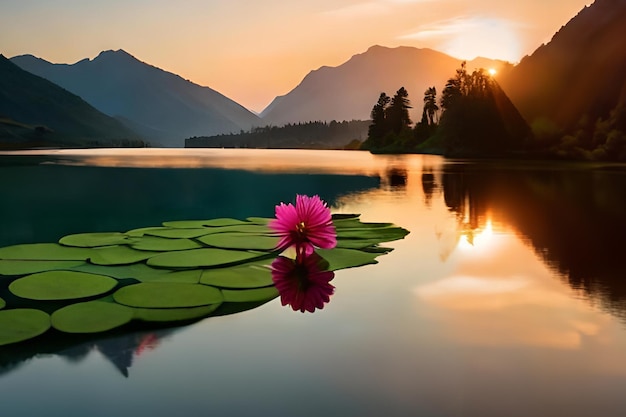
[(473, 116), (309, 135)]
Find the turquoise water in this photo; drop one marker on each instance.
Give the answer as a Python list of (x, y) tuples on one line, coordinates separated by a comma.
[(507, 298)]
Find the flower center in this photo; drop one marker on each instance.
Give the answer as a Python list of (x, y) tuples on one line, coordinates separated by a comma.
[(301, 228)]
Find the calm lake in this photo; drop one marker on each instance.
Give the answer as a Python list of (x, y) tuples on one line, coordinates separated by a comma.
[(507, 298)]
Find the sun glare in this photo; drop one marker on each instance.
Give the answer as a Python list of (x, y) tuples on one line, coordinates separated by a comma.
[(478, 239), (492, 71)]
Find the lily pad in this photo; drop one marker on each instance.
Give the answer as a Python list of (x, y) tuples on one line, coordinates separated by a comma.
[(44, 252), (346, 258), (119, 255), (137, 271), (257, 229), (259, 220), (197, 258), (91, 317), (238, 277), (337, 217), (232, 240), (22, 324), (178, 233), (143, 231), (173, 314), (61, 285), (2, 303), (382, 234), (162, 244), (13, 267), (92, 240), (357, 243), (182, 277), (167, 295), (191, 224), (250, 295)]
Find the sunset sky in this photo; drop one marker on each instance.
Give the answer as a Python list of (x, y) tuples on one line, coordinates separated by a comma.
[(254, 50)]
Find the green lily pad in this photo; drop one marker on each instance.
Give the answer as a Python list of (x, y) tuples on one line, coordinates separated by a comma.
[(173, 314), (182, 277), (257, 229), (61, 285), (119, 255), (346, 258), (137, 271), (167, 295), (2, 303), (192, 224), (91, 317), (356, 223), (162, 244), (382, 234), (92, 240), (357, 243), (338, 217), (197, 258), (259, 220), (178, 233), (13, 267), (44, 252), (22, 324), (239, 277), (250, 295), (143, 231), (232, 240)]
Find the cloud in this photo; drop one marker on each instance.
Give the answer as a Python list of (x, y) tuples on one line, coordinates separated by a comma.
[(447, 27), (370, 8), (466, 37)]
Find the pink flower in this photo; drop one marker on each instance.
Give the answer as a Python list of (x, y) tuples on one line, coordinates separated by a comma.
[(302, 283), (306, 226)]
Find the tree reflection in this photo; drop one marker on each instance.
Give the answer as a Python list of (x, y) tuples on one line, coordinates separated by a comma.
[(573, 218), (429, 185)]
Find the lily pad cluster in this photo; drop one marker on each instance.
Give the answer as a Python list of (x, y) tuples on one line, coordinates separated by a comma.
[(180, 271)]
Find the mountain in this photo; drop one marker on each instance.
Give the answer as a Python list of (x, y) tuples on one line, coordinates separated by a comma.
[(580, 74), (349, 91), (162, 106), (36, 112)]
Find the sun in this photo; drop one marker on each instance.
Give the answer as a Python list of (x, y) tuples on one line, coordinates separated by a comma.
[(492, 71)]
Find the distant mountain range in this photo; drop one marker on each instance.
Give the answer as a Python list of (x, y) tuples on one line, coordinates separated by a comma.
[(161, 106), (36, 112), (349, 91), (580, 73), (578, 76)]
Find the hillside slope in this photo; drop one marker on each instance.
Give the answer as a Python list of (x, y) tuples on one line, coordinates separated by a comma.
[(36, 112), (160, 105), (580, 73)]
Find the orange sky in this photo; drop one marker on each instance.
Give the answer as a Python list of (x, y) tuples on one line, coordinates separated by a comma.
[(254, 50)]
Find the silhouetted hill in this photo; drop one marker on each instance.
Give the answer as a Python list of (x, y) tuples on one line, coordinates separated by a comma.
[(36, 112), (349, 91), (160, 105), (580, 72)]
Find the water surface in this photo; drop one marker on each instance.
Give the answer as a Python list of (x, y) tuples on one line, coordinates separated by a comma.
[(507, 298)]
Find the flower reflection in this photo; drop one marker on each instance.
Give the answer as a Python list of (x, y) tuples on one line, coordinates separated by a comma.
[(303, 283), (306, 225)]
